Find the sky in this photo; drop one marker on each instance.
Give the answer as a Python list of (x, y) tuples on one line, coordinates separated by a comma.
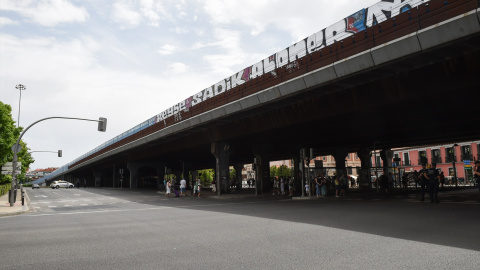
[(129, 60)]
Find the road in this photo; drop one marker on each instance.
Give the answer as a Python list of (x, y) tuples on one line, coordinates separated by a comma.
[(132, 229)]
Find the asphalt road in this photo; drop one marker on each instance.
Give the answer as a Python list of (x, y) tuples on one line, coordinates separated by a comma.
[(131, 229)]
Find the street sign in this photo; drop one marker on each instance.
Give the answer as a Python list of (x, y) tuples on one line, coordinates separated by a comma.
[(19, 148), (10, 172), (10, 164)]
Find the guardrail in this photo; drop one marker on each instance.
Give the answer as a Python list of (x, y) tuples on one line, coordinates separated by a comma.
[(410, 21)]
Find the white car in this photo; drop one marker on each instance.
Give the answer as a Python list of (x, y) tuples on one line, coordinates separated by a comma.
[(61, 183), (35, 186)]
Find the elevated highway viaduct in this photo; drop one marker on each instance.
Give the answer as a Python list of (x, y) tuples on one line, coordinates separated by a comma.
[(403, 82)]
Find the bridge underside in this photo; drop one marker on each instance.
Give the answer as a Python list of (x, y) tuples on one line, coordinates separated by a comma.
[(425, 98)]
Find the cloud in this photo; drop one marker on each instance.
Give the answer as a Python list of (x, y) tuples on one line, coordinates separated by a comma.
[(167, 49), (6, 21), (126, 15), (298, 18), (178, 68), (47, 13)]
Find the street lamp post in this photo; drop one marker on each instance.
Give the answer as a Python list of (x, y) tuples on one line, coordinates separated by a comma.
[(20, 87), (102, 126), (454, 167)]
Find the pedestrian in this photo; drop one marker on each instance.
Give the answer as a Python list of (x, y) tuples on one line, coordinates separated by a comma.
[(423, 178), (84, 183), (275, 185), (405, 181), (195, 187), (169, 189), (307, 188), (282, 186), (78, 183), (338, 186), (476, 175), (416, 178), (441, 177), (432, 173), (323, 185), (290, 186), (199, 186), (317, 185), (214, 186), (344, 184), (183, 187)]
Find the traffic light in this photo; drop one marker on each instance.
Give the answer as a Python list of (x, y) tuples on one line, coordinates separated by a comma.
[(102, 124), (59, 153)]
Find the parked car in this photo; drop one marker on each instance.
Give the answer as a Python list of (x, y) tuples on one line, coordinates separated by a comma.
[(61, 183), (35, 186)]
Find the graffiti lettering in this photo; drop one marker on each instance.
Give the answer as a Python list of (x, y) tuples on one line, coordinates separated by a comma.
[(350, 25)]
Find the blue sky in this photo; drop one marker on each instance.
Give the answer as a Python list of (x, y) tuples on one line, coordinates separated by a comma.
[(130, 60)]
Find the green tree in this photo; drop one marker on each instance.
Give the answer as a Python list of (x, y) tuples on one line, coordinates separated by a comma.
[(8, 137), (206, 177), (233, 174), (273, 171), (283, 170)]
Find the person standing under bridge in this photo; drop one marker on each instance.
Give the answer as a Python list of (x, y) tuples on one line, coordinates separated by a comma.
[(183, 186), (477, 173), (432, 173), (423, 180)]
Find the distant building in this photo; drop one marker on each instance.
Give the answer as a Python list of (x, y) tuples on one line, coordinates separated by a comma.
[(460, 156), (39, 173)]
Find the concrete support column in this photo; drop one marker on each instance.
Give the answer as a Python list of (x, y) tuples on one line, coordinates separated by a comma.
[(364, 175), (238, 171), (114, 173), (133, 168), (160, 168), (98, 179), (260, 151), (297, 171), (340, 154), (221, 151), (186, 172), (387, 156)]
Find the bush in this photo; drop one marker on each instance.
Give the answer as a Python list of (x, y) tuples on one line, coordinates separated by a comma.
[(4, 189)]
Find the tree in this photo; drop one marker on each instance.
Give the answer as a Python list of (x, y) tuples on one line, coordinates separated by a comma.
[(206, 177), (282, 171), (8, 137), (233, 174)]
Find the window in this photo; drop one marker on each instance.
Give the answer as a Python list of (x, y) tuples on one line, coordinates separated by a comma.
[(378, 161), (406, 159), (422, 157), (449, 154), (436, 158), (466, 152)]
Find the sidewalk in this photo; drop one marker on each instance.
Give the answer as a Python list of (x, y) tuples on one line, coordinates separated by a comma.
[(17, 208)]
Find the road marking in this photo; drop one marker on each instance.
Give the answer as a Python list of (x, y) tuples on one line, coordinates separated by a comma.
[(41, 196)]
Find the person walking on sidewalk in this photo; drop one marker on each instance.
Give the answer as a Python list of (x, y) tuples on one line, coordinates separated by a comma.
[(183, 186), (169, 189), (199, 186)]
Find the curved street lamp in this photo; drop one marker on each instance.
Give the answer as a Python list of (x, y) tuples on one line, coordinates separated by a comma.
[(102, 126), (20, 87)]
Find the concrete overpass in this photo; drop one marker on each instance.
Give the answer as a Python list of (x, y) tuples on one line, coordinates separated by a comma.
[(411, 79)]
